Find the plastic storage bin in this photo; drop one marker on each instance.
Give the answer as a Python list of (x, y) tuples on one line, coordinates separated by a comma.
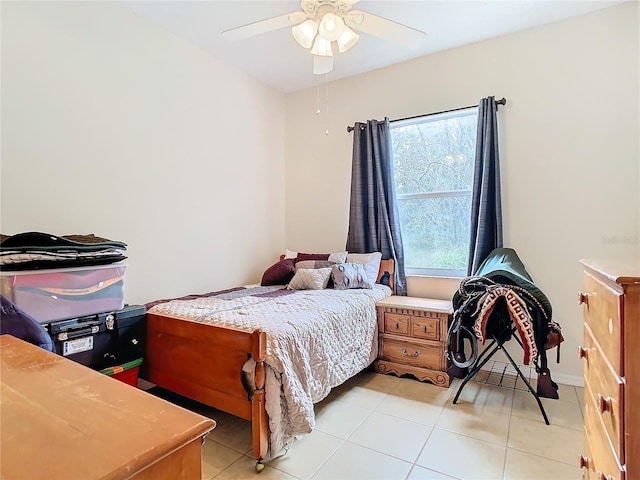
[(127, 372), (63, 293)]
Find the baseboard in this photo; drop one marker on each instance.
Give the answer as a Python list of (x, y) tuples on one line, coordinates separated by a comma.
[(498, 367), (573, 380)]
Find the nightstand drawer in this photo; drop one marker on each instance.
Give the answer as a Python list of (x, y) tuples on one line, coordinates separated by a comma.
[(602, 314), (426, 328), (396, 324), (413, 354)]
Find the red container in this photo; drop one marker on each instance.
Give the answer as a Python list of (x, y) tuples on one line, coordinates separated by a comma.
[(127, 372)]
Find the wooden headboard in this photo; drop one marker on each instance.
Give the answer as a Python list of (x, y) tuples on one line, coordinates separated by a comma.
[(388, 265)]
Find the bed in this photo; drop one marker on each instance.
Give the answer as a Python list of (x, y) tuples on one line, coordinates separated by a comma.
[(252, 350)]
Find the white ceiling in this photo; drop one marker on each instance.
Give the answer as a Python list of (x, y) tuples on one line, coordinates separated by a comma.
[(277, 60)]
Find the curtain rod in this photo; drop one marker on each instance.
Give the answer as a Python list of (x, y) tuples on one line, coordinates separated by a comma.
[(502, 101)]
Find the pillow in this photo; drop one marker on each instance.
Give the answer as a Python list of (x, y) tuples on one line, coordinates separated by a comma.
[(337, 257), (371, 262), (314, 264), (279, 273), (310, 279), (350, 275)]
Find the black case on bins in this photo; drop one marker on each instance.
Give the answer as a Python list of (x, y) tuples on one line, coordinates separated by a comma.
[(102, 340)]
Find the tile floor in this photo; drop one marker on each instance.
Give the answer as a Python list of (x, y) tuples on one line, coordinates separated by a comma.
[(383, 427)]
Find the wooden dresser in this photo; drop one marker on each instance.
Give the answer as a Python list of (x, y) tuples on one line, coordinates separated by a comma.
[(611, 353), (63, 420), (412, 338)]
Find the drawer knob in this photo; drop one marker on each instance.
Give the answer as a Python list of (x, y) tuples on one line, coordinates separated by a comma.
[(397, 325), (604, 404), (584, 462), (425, 329), (414, 354), (583, 298), (583, 352)]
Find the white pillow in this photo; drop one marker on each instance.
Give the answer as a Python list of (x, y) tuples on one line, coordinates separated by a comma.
[(371, 263), (338, 257), (350, 275), (310, 279)]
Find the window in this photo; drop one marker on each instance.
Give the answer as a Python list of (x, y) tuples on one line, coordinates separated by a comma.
[(434, 160)]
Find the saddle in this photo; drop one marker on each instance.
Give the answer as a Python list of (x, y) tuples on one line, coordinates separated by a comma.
[(498, 301)]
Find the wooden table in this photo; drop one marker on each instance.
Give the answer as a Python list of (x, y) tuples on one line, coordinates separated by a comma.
[(62, 420)]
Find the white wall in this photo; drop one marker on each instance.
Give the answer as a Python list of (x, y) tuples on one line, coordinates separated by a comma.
[(113, 126), (569, 148)]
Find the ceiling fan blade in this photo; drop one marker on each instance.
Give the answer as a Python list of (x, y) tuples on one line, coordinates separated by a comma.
[(383, 28), (264, 26)]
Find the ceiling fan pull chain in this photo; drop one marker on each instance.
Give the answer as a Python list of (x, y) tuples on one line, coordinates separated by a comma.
[(326, 89), (318, 92)]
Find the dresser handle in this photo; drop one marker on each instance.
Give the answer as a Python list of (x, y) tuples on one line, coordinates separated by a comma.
[(583, 298), (397, 325), (425, 329), (583, 352), (584, 462), (604, 404), (602, 476), (415, 354)]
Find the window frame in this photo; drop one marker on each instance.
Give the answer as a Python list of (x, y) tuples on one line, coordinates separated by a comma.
[(434, 272)]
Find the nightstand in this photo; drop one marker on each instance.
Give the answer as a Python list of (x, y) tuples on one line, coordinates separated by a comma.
[(412, 338)]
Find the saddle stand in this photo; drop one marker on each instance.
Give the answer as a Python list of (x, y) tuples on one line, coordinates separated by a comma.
[(496, 345)]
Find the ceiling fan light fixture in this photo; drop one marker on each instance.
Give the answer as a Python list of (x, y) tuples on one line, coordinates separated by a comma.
[(331, 26), (305, 32), (322, 65), (347, 39), (322, 47)]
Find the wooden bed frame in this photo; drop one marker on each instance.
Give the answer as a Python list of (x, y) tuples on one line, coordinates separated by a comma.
[(204, 362)]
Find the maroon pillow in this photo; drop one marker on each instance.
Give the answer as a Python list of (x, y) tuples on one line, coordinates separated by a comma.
[(312, 256), (279, 273)]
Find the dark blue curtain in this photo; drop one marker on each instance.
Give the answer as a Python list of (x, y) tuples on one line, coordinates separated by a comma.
[(486, 204), (374, 225)]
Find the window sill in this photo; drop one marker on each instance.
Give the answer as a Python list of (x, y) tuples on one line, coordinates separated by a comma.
[(435, 277)]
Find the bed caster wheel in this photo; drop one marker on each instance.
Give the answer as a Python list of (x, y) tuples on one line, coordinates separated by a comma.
[(259, 466)]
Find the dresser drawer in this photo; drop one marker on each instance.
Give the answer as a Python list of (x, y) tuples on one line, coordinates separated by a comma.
[(607, 392), (413, 354), (587, 463), (602, 313), (427, 328), (605, 463), (396, 324)]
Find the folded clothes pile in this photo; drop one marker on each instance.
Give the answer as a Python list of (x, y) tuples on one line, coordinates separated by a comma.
[(37, 250)]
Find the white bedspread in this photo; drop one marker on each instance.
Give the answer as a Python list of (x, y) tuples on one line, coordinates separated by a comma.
[(316, 339)]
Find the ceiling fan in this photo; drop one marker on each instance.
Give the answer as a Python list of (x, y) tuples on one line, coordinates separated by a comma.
[(320, 23)]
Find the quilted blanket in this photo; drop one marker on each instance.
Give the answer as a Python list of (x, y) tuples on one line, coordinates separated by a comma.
[(316, 340)]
